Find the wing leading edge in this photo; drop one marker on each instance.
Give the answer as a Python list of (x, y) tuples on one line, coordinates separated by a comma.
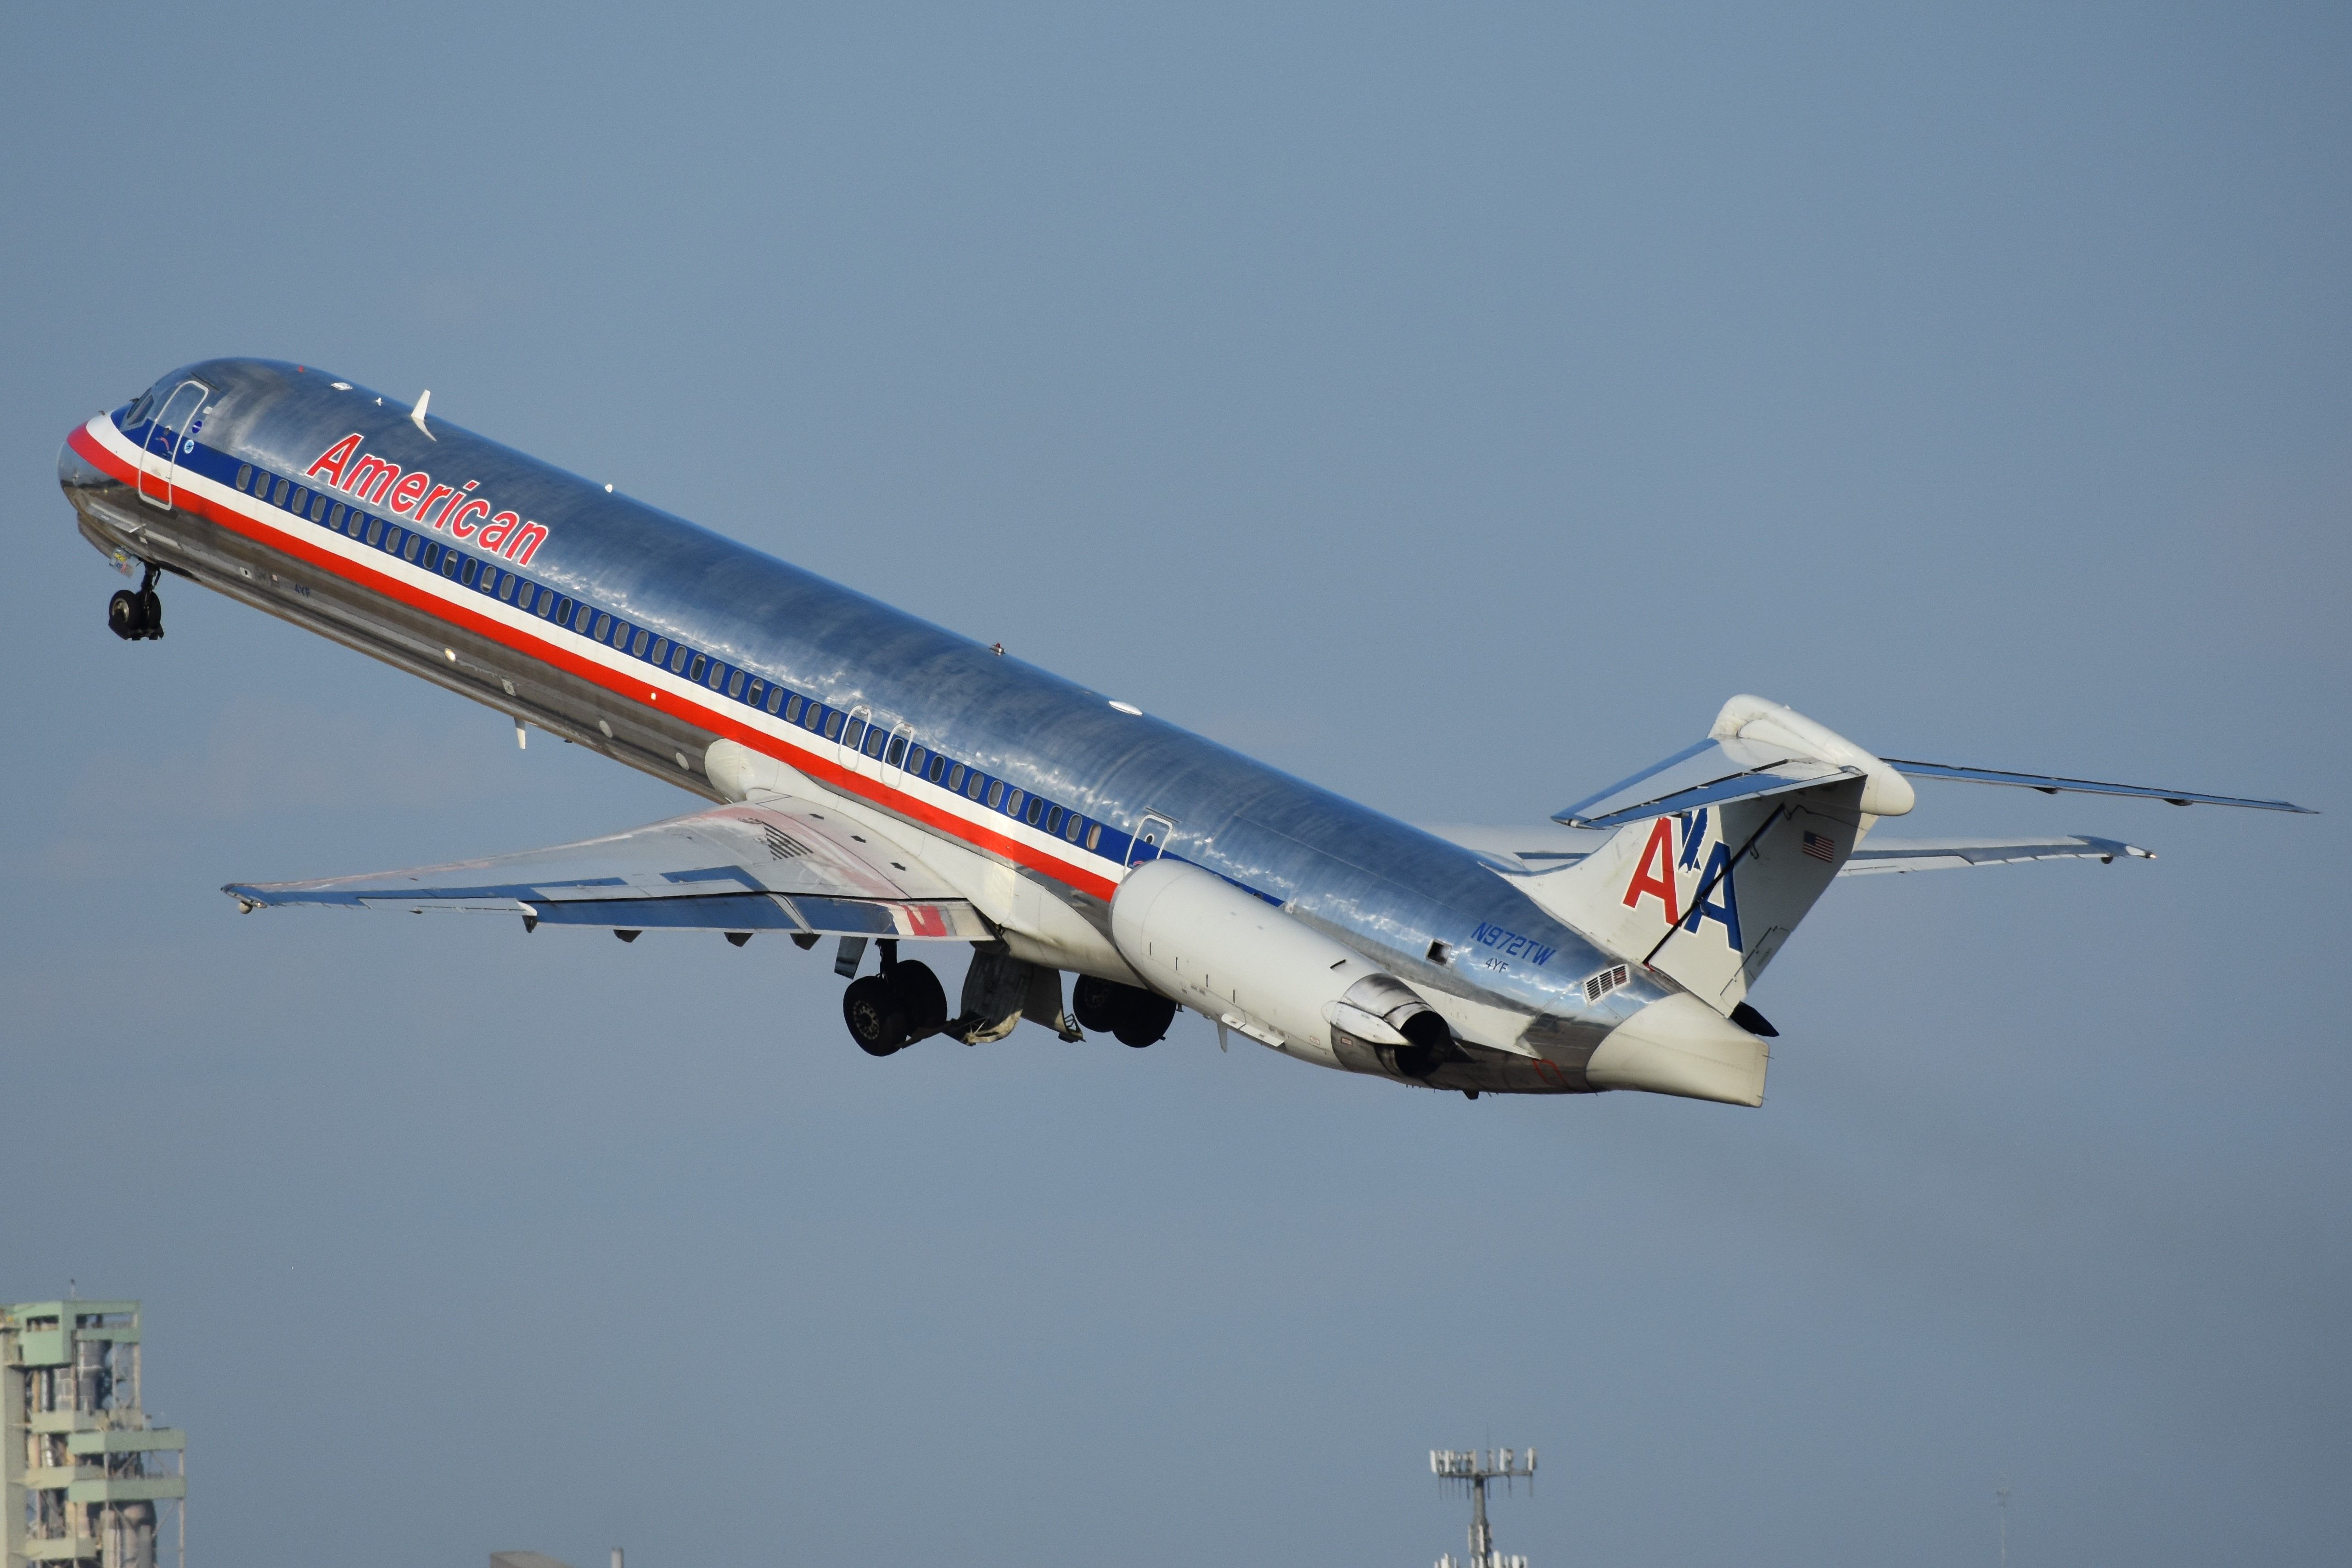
[(785, 866)]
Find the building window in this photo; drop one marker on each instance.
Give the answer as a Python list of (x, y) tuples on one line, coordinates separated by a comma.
[(245, 475)]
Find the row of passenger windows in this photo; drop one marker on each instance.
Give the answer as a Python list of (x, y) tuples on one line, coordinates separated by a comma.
[(893, 749)]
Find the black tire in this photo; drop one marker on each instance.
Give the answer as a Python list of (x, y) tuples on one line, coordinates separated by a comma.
[(1096, 1003), (151, 613), (921, 1002), (123, 615), (1146, 1020), (876, 1020)]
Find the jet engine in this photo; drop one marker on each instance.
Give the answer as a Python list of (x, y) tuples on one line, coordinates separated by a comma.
[(1229, 954)]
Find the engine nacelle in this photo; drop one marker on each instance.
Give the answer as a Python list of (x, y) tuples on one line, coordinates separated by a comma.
[(1231, 955)]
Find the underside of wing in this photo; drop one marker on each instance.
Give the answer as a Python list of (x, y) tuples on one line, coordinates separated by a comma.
[(1878, 856), (786, 865)]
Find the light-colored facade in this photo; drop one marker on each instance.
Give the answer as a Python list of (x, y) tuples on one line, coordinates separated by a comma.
[(84, 1472)]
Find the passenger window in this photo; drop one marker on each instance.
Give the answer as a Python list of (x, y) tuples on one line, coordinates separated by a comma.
[(717, 675), (448, 560), (583, 618), (874, 736), (335, 518), (814, 720), (285, 488), (752, 693), (898, 756), (939, 765), (855, 734), (1013, 804), (245, 475), (603, 625), (1070, 828), (637, 642), (356, 523), (1094, 837), (300, 497), (472, 567), (833, 728), (1037, 809), (775, 697), (793, 710), (411, 549), (1053, 820), (955, 777), (432, 555), (508, 583), (971, 785), (661, 650), (375, 531), (735, 684), (560, 615), (317, 508), (995, 794), (677, 657)]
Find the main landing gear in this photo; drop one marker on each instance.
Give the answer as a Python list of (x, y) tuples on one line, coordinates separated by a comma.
[(1136, 1017), (137, 616), (890, 1011)]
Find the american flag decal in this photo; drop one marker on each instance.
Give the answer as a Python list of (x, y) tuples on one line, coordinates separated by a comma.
[(1822, 848)]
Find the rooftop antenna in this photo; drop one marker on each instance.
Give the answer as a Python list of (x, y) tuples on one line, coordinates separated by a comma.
[(2000, 1496), (1471, 1469)]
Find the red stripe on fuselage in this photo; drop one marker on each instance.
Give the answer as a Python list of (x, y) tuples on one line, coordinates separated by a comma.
[(825, 771)]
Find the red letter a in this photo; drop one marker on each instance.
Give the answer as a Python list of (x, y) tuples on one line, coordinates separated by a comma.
[(331, 462), (1660, 850)]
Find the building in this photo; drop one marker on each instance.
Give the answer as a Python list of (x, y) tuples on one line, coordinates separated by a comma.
[(84, 1472)]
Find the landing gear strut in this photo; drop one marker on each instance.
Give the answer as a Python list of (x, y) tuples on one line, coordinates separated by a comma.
[(137, 616), (890, 1011)]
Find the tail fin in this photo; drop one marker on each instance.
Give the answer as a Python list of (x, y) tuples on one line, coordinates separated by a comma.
[(1706, 895)]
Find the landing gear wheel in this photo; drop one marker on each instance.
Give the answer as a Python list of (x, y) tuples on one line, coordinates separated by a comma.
[(1144, 1020), (919, 998), (1095, 1001), (151, 613), (876, 1022), (123, 615)]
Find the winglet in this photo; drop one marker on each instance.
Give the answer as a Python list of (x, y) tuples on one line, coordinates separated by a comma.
[(416, 415)]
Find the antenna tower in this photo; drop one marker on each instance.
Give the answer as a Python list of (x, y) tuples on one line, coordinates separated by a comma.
[(1471, 1469)]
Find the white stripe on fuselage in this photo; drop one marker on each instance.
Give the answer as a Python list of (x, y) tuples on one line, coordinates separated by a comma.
[(788, 742)]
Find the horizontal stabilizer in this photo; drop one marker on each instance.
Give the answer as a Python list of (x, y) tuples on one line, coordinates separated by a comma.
[(1878, 856), (785, 866), (2050, 783)]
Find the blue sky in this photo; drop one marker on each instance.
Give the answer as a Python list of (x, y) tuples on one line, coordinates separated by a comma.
[(1450, 407)]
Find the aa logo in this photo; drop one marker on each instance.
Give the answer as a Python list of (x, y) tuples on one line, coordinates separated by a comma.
[(1694, 883)]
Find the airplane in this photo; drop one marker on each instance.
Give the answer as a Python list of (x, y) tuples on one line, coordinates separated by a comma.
[(875, 778)]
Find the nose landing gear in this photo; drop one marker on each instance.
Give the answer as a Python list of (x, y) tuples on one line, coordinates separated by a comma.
[(137, 616), (890, 1011)]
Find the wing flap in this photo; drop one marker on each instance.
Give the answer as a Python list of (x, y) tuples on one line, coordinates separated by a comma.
[(786, 865)]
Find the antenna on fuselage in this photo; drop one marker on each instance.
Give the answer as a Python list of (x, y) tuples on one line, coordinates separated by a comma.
[(416, 415)]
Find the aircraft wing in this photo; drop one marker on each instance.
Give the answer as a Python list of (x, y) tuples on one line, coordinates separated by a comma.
[(786, 865), (1877, 857)]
